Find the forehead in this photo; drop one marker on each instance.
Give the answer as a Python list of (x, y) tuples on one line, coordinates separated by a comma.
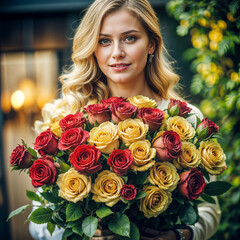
[(120, 21)]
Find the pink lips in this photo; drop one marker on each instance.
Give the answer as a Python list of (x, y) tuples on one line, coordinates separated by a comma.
[(118, 67)]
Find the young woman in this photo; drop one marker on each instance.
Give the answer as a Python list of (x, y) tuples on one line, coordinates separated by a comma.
[(118, 51)]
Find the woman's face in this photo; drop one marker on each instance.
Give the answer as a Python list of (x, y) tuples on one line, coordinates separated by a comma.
[(123, 48)]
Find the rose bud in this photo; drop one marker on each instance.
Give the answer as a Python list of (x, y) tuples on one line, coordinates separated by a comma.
[(43, 171), (72, 121), (192, 184), (46, 143), (97, 112), (120, 161), (168, 145), (21, 157), (109, 101), (85, 158), (153, 117), (176, 107), (122, 111), (128, 192), (72, 138), (206, 128)]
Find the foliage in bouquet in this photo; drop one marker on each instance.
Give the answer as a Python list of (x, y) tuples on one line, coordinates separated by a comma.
[(120, 165), (214, 30)]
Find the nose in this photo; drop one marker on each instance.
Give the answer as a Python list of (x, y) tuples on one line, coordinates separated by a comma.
[(118, 50)]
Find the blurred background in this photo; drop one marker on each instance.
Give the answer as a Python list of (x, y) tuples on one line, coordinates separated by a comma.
[(35, 46)]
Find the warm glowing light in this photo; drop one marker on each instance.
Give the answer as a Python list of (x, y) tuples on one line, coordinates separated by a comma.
[(29, 89), (17, 99)]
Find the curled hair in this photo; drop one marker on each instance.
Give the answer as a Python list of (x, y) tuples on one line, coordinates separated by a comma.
[(84, 81)]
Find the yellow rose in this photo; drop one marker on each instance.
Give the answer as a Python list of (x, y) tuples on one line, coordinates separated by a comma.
[(131, 130), (189, 158), (73, 186), (143, 155), (104, 137), (182, 127), (142, 102), (213, 157), (56, 129), (156, 201), (107, 188), (164, 175)]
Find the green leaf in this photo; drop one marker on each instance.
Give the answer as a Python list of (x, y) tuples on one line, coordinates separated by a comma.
[(41, 215), (140, 195), (224, 46), (123, 146), (184, 15), (64, 167), (234, 6), (51, 227), (188, 214), (78, 230), (196, 84), (33, 196), (104, 212), (120, 224), (190, 54), (182, 30), (89, 226), (68, 232), (217, 188), (105, 156), (30, 150), (17, 211), (134, 233), (73, 212), (141, 177), (74, 223), (124, 200), (230, 100), (51, 197), (207, 198), (206, 175)]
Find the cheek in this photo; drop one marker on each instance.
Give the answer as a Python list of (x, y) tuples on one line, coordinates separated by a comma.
[(139, 55), (101, 56)]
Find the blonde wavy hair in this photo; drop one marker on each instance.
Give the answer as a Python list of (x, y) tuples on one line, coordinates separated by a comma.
[(84, 81)]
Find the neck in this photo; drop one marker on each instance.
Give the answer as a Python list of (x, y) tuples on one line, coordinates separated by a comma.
[(130, 90)]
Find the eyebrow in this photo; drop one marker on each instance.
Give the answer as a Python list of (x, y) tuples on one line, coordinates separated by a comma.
[(124, 33)]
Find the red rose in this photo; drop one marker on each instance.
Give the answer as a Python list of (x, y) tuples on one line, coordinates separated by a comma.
[(128, 192), (97, 112), (72, 138), (85, 158), (72, 121), (122, 111), (176, 107), (153, 117), (21, 157), (206, 128), (120, 161), (192, 184), (107, 102), (168, 146), (43, 171), (46, 143)]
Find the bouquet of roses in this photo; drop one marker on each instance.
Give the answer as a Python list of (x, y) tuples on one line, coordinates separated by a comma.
[(120, 165)]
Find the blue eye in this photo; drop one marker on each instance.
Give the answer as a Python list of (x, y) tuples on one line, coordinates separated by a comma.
[(104, 41), (130, 39)]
